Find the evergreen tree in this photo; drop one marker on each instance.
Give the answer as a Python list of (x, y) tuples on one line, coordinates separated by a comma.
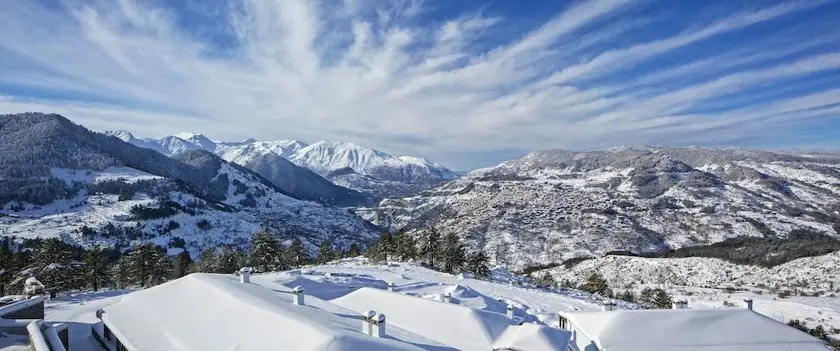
[(547, 281), (121, 272), (430, 249), (596, 284), (148, 265), (208, 261), (628, 296), (51, 263), (354, 251), (406, 246), (452, 253), (662, 300), (296, 254), (325, 252), (477, 263), (7, 265), (182, 264), (230, 259), (96, 267), (266, 254)]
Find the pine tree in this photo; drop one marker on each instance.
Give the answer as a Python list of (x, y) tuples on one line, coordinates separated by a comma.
[(596, 284), (430, 249), (51, 261), (266, 254), (230, 259), (354, 251), (547, 281), (148, 265), (7, 265), (628, 296), (477, 263), (120, 273), (182, 264), (208, 261), (406, 246), (96, 267), (452, 253), (296, 254), (662, 300), (325, 252)]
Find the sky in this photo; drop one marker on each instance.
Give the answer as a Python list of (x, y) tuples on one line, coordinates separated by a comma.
[(467, 83)]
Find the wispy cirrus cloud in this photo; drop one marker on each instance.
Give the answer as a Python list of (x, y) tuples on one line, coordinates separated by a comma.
[(425, 77)]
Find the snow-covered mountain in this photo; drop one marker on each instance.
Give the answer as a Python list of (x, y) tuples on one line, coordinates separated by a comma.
[(554, 205), (265, 158), (359, 167), (59, 179), (348, 165)]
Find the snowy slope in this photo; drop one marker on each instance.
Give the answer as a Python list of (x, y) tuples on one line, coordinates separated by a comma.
[(86, 187), (551, 206)]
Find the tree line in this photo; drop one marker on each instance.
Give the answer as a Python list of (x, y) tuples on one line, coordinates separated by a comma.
[(446, 253), (63, 267)]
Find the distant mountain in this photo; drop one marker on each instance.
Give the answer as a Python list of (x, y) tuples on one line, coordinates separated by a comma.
[(59, 179), (264, 158), (352, 166), (359, 167), (554, 205)]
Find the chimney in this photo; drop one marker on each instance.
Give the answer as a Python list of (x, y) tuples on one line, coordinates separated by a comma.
[(391, 286), (447, 298), (609, 306), (297, 297), (245, 275), (367, 320), (749, 304), (379, 325), (680, 304), (509, 311)]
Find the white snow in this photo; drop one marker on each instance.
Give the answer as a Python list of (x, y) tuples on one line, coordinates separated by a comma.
[(688, 329)]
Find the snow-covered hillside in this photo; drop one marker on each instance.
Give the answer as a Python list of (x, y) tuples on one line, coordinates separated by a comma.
[(348, 165), (554, 205), (86, 187)]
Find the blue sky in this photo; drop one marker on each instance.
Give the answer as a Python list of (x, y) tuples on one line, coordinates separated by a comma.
[(467, 83)]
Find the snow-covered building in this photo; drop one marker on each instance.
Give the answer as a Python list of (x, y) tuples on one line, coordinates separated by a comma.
[(722, 329), (219, 312), (458, 326)]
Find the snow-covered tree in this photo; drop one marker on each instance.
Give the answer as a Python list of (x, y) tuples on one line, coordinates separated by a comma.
[(120, 273), (354, 250), (266, 254), (546, 280), (208, 261), (406, 246)]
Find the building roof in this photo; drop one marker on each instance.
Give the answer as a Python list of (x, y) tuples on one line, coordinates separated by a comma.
[(461, 327), (217, 312), (690, 329)]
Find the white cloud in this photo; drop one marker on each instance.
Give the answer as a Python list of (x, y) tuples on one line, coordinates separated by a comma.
[(381, 74)]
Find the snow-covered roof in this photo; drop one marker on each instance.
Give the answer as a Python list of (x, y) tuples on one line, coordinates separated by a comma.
[(217, 312), (721, 329), (461, 327)]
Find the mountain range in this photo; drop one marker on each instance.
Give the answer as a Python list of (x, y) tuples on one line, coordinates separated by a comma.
[(60, 179), (555, 205), (337, 173)]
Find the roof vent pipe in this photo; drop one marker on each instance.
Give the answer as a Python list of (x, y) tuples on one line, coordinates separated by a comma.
[(447, 298), (245, 275), (509, 311), (391, 286), (297, 295), (379, 325), (749, 304), (367, 320)]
